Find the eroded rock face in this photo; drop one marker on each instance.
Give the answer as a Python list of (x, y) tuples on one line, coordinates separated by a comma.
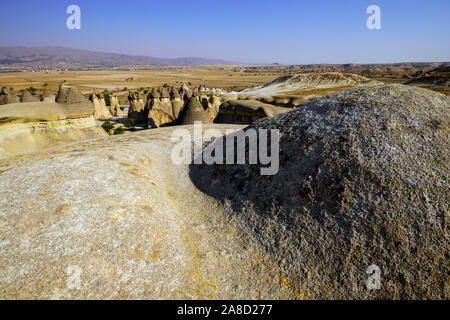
[(101, 111), (363, 180), (246, 111), (68, 95), (48, 97), (28, 97), (33, 126), (114, 106), (120, 215), (294, 91), (137, 110), (177, 102), (8, 96), (192, 112)]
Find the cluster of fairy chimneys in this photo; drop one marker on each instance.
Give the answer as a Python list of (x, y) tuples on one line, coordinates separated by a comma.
[(67, 95), (165, 105), (8, 96)]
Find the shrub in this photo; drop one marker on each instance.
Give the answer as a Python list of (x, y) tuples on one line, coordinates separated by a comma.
[(129, 123), (107, 126), (119, 130), (107, 99)]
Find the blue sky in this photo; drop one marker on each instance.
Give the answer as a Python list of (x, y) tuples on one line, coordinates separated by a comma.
[(288, 32)]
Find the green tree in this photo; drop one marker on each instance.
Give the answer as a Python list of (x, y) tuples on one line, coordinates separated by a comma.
[(129, 123), (119, 130), (107, 126)]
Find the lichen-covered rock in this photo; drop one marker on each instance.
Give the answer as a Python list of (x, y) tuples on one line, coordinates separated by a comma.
[(363, 180), (114, 218)]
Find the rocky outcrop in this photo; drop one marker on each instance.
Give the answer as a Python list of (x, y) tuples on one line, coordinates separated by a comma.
[(362, 187), (246, 111), (8, 96), (193, 111), (69, 95), (138, 110), (120, 215), (101, 111), (160, 108), (177, 102), (294, 91), (48, 97), (28, 97), (33, 126), (114, 105)]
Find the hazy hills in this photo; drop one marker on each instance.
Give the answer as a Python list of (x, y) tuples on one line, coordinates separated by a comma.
[(52, 55)]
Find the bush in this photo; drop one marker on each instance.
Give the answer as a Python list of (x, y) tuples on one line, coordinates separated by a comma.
[(129, 123), (107, 99), (119, 130), (107, 126)]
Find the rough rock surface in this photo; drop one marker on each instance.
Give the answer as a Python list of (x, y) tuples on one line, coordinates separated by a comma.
[(28, 97), (193, 111), (101, 111), (138, 110), (32, 126), (363, 181), (8, 96), (114, 106), (246, 111), (114, 218), (68, 94), (294, 91), (48, 97)]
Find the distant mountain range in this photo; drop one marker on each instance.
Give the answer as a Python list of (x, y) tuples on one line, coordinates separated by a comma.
[(60, 56)]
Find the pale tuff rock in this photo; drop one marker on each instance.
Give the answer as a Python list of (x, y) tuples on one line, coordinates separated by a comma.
[(137, 110), (193, 111), (114, 218), (8, 96), (362, 181), (294, 91), (68, 95), (28, 97), (114, 106), (101, 111), (158, 118), (177, 102), (246, 111), (33, 126), (48, 97), (160, 112)]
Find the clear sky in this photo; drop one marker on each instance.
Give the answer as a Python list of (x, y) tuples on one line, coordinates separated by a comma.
[(252, 31)]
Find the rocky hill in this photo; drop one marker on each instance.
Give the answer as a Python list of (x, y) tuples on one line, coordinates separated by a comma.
[(48, 57), (363, 181)]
